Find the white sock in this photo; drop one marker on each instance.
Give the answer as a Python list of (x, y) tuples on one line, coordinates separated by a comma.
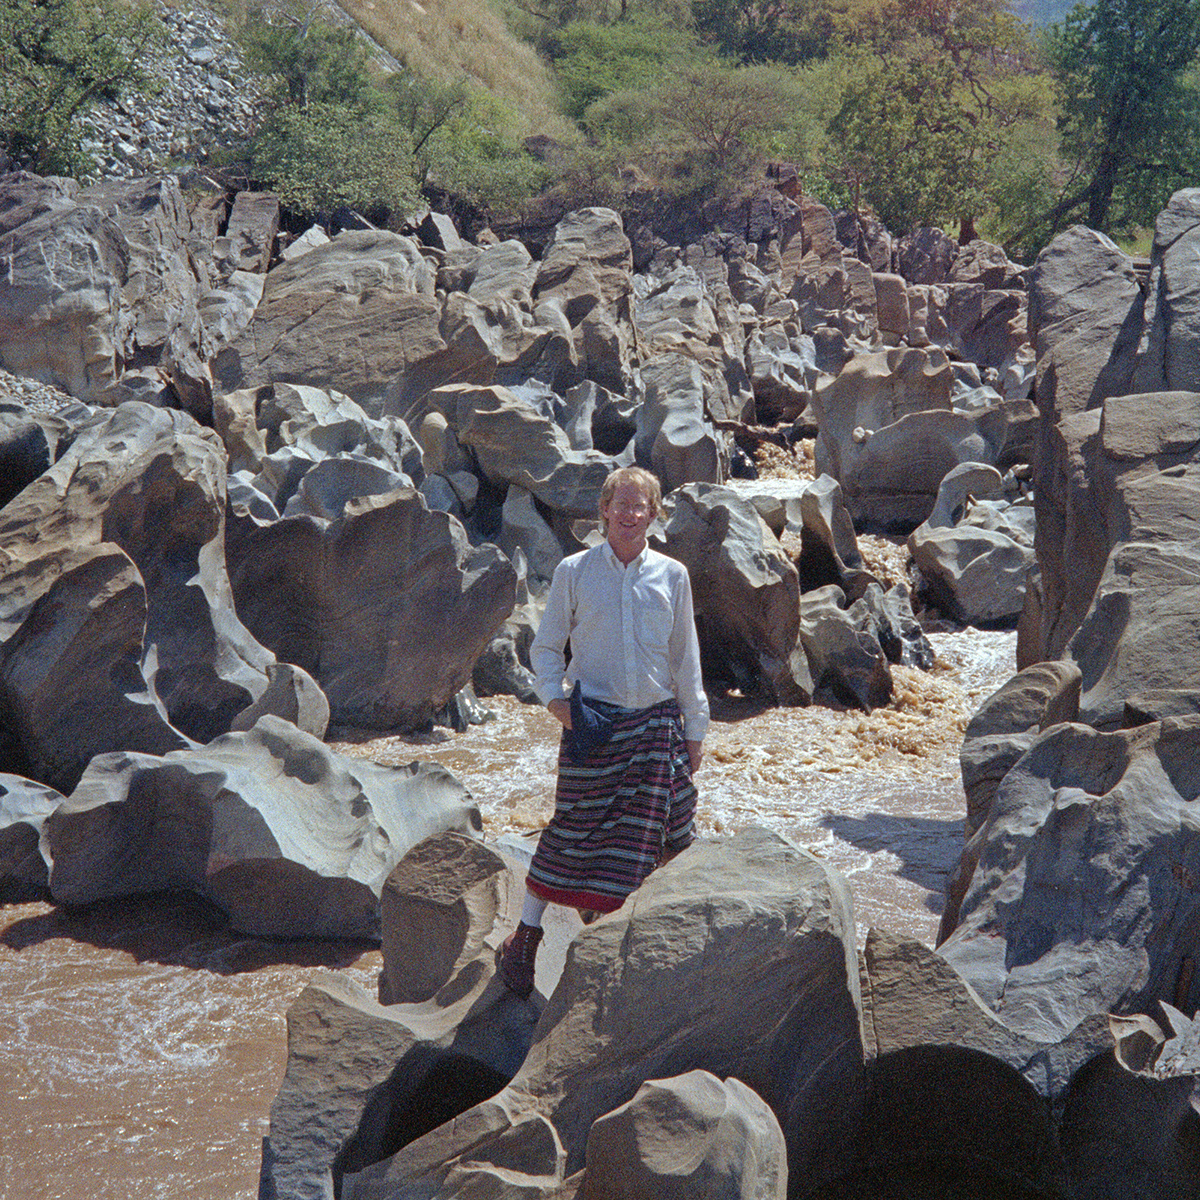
[(531, 911)]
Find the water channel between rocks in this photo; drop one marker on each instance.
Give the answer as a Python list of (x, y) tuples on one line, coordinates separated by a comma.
[(143, 1042)]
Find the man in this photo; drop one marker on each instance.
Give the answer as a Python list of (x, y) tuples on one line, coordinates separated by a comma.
[(633, 726)]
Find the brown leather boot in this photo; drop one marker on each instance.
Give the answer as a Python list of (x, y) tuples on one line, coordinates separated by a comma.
[(516, 958)]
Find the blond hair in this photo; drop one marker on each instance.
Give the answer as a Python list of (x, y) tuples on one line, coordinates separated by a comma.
[(645, 481)]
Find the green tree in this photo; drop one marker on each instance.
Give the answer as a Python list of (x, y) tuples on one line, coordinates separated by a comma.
[(323, 156), (760, 31), (58, 59), (932, 93), (334, 136), (310, 62), (909, 140), (1129, 106)]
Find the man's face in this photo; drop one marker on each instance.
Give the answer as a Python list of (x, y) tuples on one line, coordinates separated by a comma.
[(628, 514)]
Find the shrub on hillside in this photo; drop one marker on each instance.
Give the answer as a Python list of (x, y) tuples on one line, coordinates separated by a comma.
[(58, 59), (328, 155)]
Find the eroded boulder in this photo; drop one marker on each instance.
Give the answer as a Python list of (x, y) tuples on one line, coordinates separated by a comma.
[(290, 839), (24, 807), (1081, 901), (387, 607), (746, 593), (689, 1137), (737, 958)]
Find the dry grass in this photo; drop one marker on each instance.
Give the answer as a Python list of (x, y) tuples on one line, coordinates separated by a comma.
[(450, 39)]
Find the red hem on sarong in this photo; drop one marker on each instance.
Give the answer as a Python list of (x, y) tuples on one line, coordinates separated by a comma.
[(592, 900)]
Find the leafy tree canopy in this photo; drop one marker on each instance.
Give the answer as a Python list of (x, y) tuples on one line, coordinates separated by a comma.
[(58, 59), (310, 62), (785, 31), (323, 156), (1129, 106)]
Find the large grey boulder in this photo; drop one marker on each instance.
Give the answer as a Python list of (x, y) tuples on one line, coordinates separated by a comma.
[(975, 549), (358, 316), (926, 256), (1129, 1124), (71, 663), (1082, 901), (736, 958), (1085, 322), (515, 442), (674, 435), (162, 287), (363, 1078), (745, 590), (586, 273), (438, 905), (142, 490), (781, 375), (287, 837), (1167, 353), (888, 434), (687, 1138), (845, 660), (1138, 633), (63, 266), (1006, 725), (913, 997), (1085, 318), (387, 608)]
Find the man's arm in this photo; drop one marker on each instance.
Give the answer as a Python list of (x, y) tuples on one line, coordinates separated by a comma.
[(546, 654), (686, 681)]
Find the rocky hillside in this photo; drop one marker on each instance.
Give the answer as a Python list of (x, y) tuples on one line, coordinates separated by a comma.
[(207, 100)]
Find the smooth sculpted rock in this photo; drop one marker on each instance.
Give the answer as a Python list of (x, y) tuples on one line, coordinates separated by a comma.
[(514, 442), (913, 997), (693, 1137), (438, 904), (135, 510), (889, 435), (1085, 322), (1129, 1125), (1171, 339), (737, 958), (363, 1079), (62, 269), (290, 839), (846, 662), (357, 315), (387, 607), (1139, 630), (161, 289), (24, 807), (586, 274), (71, 664), (1083, 899), (975, 552), (746, 593)]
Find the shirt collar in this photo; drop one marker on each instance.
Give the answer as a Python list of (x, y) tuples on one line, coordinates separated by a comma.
[(611, 555)]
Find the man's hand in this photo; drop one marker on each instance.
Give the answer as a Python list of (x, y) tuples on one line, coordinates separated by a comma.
[(695, 754), (561, 710)]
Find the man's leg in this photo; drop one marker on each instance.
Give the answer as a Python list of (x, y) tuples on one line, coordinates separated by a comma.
[(520, 948)]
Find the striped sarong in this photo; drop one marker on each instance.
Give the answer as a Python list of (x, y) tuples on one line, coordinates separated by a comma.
[(616, 811)]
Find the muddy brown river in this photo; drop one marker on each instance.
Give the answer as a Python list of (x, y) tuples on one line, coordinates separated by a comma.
[(143, 1043)]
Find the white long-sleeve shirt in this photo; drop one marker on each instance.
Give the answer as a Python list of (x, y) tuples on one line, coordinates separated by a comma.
[(632, 632)]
